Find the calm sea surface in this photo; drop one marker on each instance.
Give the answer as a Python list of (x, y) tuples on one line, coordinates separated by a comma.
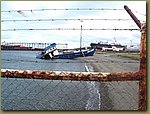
[(26, 60), (32, 94)]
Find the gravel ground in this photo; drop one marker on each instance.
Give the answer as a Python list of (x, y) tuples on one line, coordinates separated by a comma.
[(116, 95), (112, 63)]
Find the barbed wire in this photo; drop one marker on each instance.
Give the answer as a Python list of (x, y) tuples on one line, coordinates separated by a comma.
[(75, 9), (69, 20), (71, 29), (75, 62), (139, 13)]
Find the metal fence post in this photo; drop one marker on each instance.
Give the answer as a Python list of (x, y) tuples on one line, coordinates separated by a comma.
[(142, 83)]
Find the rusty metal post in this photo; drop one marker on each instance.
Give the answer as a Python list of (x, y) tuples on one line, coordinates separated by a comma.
[(133, 16), (142, 84), (142, 70)]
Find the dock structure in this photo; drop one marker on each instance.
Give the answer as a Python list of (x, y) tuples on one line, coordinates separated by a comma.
[(27, 46)]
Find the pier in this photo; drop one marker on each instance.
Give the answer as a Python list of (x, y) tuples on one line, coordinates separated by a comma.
[(29, 46)]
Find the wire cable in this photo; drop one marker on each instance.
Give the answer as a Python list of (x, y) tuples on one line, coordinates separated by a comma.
[(71, 29), (66, 9), (67, 20), (139, 13)]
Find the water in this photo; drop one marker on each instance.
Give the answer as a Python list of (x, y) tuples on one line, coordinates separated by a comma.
[(32, 94), (25, 60)]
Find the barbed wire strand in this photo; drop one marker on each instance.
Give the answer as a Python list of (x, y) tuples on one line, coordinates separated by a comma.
[(75, 9), (139, 12), (78, 61), (71, 29), (69, 20)]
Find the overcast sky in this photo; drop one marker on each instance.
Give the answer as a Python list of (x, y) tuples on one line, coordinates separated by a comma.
[(71, 37)]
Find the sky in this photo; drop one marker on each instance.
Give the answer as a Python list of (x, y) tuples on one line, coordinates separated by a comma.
[(71, 37)]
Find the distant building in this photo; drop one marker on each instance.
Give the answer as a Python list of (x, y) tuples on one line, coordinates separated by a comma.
[(15, 47), (132, 48), (105, 46)]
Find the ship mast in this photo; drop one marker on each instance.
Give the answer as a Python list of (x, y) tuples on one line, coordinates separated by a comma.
[(81, 38)]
